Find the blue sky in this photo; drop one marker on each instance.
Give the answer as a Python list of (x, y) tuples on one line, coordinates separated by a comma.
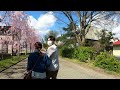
[(44, 21), (35, 14), (50, 23), (45, 25)]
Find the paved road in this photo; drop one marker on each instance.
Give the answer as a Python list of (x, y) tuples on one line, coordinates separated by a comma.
[(68, 70), (15, 72)]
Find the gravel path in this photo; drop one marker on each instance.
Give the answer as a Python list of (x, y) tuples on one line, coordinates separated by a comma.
[(68, 70)]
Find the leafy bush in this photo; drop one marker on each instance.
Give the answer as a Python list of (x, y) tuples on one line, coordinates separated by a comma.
[(66, 52), (80, 53), (108, 62), (83, 53)]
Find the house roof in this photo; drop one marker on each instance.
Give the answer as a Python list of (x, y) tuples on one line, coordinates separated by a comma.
[(92, 34), (116, 43)]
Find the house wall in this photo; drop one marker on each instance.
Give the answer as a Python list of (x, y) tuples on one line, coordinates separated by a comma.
[(9, 49), (116, 51), (23, 50), (9, 46)]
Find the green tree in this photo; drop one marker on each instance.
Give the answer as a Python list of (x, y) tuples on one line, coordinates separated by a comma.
[(105, 38), (68, 38), (50, 33), (84, 19)]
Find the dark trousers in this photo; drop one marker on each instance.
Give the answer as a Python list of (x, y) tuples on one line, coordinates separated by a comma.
[(51, 74)]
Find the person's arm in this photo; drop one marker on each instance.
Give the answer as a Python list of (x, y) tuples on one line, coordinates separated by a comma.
[(48, 61)]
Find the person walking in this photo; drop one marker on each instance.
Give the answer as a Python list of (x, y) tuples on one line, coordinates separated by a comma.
[(52, 53), (38, 62)]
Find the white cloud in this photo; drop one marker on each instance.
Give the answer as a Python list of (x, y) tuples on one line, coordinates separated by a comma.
[(32, 22), (117, 31), (117, 35), (2, 24), (110, 25), (104, 23), (43, 23)]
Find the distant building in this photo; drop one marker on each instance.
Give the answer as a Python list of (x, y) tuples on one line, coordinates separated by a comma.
[(93, 34), (9, 42), (91, 37), (116, 48), (5, 40)]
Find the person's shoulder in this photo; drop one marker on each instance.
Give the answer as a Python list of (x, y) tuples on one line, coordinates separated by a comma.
[(44, 54), (53, 47), (32, 54)]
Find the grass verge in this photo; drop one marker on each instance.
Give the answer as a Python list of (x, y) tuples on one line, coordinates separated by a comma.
[(6, 63)]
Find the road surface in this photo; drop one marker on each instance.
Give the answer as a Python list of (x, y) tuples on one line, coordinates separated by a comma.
[(68, 70)]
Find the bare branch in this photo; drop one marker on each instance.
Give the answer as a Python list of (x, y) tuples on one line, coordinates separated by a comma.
[(62, 20)]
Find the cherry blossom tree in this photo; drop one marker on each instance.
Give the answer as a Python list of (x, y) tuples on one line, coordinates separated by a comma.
[(20, 30)]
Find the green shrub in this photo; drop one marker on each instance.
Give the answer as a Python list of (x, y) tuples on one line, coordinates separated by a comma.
[(80, 53), (83, 53), (108, 62), (65, 51)]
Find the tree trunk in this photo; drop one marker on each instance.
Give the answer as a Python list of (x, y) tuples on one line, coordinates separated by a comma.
[(30, 47), (12, 52), (19, 51), (78, 40), (83, 41), (26, 50)]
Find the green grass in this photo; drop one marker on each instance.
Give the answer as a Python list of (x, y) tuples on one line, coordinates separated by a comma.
[(90, 65), (11, 61)]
